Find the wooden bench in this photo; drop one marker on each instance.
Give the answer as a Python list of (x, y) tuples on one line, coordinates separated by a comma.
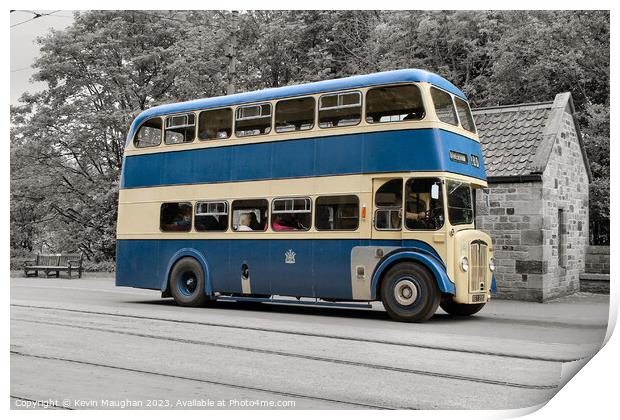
[(54, 263)]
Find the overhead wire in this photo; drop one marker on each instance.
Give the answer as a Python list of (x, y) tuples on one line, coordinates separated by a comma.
[(36, 16)]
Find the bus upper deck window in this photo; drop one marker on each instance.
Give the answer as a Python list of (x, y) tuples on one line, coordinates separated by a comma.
[(467, 121), (215, 124), (444, 107), (180, 128), (211, 216), (394, 103), (295, 115), (337, 212), (291, 214), (149, 133), (340, 109), (253, 120)]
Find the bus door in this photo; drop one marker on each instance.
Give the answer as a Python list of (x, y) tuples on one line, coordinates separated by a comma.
[(387, 211)]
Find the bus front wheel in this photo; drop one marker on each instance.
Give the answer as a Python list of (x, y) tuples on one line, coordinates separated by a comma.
[(409, 293), (187, 283), (462, 309)]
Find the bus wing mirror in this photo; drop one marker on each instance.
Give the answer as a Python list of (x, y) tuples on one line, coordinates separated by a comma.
[(435, 192)]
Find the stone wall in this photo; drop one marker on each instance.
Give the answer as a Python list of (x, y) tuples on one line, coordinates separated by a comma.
[(597, 259), (565, 189), (536, 256), (512, 214)]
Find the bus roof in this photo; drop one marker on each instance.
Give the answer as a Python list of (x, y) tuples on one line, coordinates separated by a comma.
[(386, 77)]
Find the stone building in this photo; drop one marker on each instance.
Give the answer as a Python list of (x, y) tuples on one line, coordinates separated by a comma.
[(536, 206)]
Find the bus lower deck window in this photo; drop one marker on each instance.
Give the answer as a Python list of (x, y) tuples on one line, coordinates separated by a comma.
[(444, 107), (215, 124), (389, 202), (423, 204), (295, 115), (337, 212), (149, 134), (249, 215), (394, 103), (291, 214), (175, 217), (340, 109), (180, 129), (211, 216), (253, 120)]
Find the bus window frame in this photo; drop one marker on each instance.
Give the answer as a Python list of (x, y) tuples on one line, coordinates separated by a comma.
[(319, 108), (315, 114), (186, 126), (259, 105), (390, 209), (422, 100), (379, 208), (456, 113), (443, 204), (272, 212), (316, 199), (227, 214), (191, 219), (232, 123), (161, 135), (267, 216), (454, 98)]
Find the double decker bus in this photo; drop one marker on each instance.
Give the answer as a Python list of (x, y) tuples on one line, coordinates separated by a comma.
[(339, 192)]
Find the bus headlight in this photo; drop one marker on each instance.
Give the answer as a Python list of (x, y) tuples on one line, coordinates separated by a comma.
[(491, 265), (464, 264)]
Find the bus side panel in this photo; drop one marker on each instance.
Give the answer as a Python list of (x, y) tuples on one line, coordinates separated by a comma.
[(338, 155), (290, 268), (217, 255), (303, 153), (251, 162), (254, 253), (137, 264), (332, 268)]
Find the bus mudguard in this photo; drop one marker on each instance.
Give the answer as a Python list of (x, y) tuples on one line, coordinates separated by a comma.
[(443, 281), (188, 252)]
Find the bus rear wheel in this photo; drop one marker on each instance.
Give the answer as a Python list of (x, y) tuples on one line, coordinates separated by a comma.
[(409, 293), (461, 309), (187, 283)]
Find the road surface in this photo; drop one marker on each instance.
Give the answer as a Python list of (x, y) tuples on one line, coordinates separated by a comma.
[(85, 344)]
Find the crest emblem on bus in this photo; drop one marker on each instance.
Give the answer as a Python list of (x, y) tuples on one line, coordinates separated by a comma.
[(289, 257)]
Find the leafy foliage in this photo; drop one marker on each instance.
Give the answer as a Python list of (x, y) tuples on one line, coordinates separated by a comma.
[(67, 141)]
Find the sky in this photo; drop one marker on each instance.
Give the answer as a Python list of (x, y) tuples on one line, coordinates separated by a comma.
[(24, 49)]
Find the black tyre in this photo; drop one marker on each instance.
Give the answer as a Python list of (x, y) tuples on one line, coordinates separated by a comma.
[(409, 293), (187, 283), (462, 309)]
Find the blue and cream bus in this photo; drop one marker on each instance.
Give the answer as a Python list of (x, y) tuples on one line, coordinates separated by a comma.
[(341, 192)]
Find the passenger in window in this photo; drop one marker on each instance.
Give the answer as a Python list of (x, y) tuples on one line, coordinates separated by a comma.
[(177, 218), (255, 224), (245, 220), (279, 225)]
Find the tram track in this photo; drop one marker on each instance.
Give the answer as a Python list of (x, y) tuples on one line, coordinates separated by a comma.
[(206, 381), (308, 334), (298, 356)]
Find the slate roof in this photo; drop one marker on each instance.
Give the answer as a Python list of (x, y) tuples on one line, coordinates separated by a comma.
[(511, 136)]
